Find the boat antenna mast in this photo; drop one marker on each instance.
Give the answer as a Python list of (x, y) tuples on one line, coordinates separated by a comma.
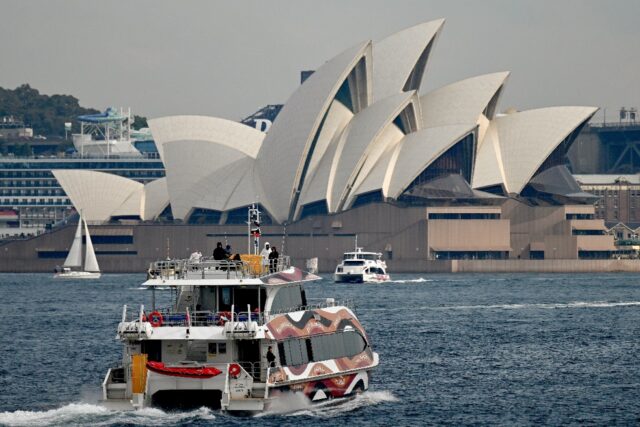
[(253, 225)]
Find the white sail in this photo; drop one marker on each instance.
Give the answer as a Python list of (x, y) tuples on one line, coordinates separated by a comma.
[(90, 261), (74, 258)]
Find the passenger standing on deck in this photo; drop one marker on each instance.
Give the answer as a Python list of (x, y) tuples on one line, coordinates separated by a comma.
[(271, 358), (265, 256), (219, 252), (273, 260)]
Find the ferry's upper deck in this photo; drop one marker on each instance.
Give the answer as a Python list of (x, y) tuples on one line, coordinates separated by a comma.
[(360, 254), (248, 270)]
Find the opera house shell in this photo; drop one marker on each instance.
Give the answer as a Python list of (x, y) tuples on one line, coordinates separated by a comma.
[(359, 130)]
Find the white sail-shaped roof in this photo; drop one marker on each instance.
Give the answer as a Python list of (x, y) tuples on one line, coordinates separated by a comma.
[(379, 177), (155, 199), (319, 186), (193, 149), (285, 154), (228, 133), (489, 168), (400, 60), (524, 141), (419, 150), (463, 101), (365, 136), (227, 186), (99, 195)]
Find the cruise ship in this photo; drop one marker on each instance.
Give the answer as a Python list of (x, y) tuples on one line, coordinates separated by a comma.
[(31, 199)]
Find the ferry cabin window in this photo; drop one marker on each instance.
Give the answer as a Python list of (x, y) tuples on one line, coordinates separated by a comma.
[(360, 256), (217, 348), (197, 351), (350, 262), (289, 298), (294, 352), (225, 299)]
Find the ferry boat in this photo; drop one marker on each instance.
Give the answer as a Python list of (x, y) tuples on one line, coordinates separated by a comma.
[(360, 266), (237, 336)]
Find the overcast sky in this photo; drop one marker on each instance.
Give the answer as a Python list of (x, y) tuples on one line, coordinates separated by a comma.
[(230, 58)]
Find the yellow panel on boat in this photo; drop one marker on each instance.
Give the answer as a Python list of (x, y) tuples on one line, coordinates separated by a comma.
[(254, 263), (138, 373)]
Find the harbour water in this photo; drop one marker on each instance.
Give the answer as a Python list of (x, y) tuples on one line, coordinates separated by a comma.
[(454, 349)]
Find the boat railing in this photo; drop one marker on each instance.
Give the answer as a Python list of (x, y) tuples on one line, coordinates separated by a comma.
[(321, 303), (251, 266), (255, 369), (166, 317)]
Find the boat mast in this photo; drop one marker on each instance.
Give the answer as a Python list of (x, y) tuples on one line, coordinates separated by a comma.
[(253, 229)]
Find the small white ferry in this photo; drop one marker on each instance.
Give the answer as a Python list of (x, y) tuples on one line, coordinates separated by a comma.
[(237, 335), (360, 266)]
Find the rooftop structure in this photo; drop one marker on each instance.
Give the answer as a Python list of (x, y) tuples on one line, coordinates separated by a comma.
[(358, 131)]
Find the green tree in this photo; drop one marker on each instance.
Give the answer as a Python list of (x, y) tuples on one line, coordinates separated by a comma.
[(139, 122)]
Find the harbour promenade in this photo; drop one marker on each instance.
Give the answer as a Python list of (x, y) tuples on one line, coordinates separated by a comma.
[(130, 249)]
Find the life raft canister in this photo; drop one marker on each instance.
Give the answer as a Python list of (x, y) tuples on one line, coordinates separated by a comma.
[(234, 370), (155, 318)]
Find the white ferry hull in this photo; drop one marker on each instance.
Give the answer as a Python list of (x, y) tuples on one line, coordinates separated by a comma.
[(77, 275), (360, 278), (337, 387)]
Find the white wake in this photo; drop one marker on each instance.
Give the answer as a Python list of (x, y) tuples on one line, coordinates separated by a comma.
[(418, 280), (85, 414), (333, 408), (559, 305)]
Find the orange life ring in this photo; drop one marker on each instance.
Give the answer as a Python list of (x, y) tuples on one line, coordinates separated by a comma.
[(155, 318), (234, 370)]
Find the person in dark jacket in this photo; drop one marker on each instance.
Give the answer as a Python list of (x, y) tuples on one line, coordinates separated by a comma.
[(219, 253), (271, 358), (273, 260)]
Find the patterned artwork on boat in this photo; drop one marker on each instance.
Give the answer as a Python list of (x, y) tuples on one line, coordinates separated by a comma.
[(313, 322), (291, 275)]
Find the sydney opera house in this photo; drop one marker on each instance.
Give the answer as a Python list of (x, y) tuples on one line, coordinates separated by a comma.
[(360, 149)]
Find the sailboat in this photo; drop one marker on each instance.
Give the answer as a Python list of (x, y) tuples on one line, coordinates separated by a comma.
[(74, 258)]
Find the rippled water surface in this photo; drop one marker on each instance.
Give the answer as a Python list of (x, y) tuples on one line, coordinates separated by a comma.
[(454, 349)]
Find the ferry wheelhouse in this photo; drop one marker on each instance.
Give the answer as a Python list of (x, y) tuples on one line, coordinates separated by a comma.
[(236, 336), (360, 266)]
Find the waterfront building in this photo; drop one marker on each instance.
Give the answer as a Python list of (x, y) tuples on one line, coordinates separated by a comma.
[(359, 149), (618, 197)]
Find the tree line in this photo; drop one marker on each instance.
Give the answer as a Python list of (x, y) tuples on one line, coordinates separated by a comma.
[(46, 114)]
